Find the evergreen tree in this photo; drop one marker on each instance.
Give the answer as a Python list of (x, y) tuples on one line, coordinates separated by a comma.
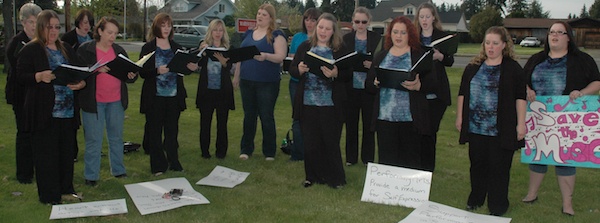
[(310, 4), (517, 9), (370, 4), (536, 10), (481, 21), (343, 9), (471, 7), (584, 13), (44, 4), (326, 6), (595, 10)]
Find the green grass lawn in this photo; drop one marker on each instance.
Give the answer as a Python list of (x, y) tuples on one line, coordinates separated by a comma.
[(474, 48), (273, 191)]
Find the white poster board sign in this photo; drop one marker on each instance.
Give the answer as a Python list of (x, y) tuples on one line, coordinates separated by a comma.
[(148, 196), (87, 209), (223, 177), (431, 212), (396, 185)]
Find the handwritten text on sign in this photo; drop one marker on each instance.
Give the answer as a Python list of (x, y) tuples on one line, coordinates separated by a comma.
[(223, 177), (86, 209), (148, 196), (563, 132), (431, 212), (396, 185)]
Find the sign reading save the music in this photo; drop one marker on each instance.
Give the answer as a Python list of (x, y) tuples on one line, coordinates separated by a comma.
[(563, 132)]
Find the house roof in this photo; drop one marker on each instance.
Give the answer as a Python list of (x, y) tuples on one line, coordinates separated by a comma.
[(451, 17), (201, 7), (584, 22), (516, 23)]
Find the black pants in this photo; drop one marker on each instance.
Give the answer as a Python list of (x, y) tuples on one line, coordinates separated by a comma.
[(206, 116), (490, 172), (24, 152), (322, 131), (163, 116), (437, 108), (361, 102), (399, 144), (53, 158)]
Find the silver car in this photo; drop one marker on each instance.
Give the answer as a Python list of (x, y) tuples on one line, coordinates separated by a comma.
[(531, 41), (189, 36)]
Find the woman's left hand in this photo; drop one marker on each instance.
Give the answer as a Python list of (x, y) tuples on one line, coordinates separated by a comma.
[(77, 86), (330, 73), (192, 66), (261, 57), (131, 75), (367, 64), (575, 94), (103, 69), (437, 55), (414, 85), (521, 131), (223, 60)]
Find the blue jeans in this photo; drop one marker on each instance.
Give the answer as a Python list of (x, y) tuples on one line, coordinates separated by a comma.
[(298, 148), (110, 115), (258, 100)]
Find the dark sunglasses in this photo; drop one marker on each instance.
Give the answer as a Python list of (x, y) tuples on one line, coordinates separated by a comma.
[(359, 21)]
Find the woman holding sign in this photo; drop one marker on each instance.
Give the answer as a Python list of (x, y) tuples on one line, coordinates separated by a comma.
[(400, 112), (163, 96), (429, 27), (51, 111), (103, 102), (319, 104), (560, 69), (215, 90), (490, 116), (359, 101)]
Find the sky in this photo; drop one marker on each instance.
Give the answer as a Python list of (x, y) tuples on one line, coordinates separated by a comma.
[(559, 9)]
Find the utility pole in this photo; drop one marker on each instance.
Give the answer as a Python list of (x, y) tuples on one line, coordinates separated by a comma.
[(68, 15), (145, 21), (125, 20), (356, 4)]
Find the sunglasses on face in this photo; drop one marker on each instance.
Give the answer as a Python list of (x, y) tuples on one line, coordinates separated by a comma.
[(57, 27), (360, 21)]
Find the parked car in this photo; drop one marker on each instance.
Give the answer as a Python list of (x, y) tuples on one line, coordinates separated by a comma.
[(189, 36), (531, 41)]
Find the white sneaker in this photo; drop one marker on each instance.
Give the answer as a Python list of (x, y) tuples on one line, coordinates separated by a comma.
[(270, 159), (243, 156)]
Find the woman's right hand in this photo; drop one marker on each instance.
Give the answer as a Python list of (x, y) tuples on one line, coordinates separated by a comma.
[(530, 94), (44, 76), (376, 83), (236, 82), (458, 122), (162, 69), (302, 68)]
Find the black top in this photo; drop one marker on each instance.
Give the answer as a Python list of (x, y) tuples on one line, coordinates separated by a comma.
[(71, 38), (14, 92), (372, 42), (226, 85), (443, 89)]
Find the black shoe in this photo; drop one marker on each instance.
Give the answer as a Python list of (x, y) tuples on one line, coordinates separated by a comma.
[(121, 176), (496, 214), (206, 156), (25, 181), (307, 183), (91, 183), (472, 207)]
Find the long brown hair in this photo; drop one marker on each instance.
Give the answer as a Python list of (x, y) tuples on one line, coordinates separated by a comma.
[(336, 41), (437, 22), (271, 10), (413, 37), (508, 50), (41, 35)]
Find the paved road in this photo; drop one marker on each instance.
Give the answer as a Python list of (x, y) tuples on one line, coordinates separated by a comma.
[(131, 46)]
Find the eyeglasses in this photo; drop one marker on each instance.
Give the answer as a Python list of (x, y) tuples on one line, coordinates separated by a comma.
[(360, 21), (560, 32), (57, 27)]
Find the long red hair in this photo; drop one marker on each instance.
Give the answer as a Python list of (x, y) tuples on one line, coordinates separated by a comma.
[(413, 37)]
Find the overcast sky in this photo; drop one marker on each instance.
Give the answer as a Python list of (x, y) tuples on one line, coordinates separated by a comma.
[(558, 8)]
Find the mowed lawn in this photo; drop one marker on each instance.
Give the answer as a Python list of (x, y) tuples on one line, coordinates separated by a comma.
[(273, 191)]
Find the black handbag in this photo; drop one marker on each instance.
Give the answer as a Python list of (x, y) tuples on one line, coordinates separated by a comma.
[(287, 144)]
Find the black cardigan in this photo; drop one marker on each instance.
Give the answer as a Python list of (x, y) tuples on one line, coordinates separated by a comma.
[(443, 89), (581, 69), (87, 97), (71, 38), (14, 92), (149, 73), (338, 88), (372, 42), (511, 89), (226, 85), (39, 100), (419, 107)]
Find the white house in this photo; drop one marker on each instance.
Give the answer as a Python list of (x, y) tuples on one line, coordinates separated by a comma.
[(197, 12)]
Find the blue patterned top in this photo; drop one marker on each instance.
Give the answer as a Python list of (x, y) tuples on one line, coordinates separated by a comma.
[(358, 78), (64, 99), (83, 39), (317, 90), (166, 84), (214, 74), (484, 101), (550, 76), (394, 104)]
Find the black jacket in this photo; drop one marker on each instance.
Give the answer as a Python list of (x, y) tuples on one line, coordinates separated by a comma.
[(226, 90), (511, 89), (443, 89), (39, 99), (71, 38), (419, 107), (372, 42), (338, 89), (87, 96), (14, 92), (581, 69), (149, 74)]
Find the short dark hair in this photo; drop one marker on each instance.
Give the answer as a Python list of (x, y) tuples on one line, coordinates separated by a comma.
[(82, 14), (158, 20), (102, 24)]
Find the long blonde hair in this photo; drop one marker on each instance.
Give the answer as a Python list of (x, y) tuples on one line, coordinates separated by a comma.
[(336, 41), (41, 37), (271, 10), (214, 24), (437, 22), (508, 50)]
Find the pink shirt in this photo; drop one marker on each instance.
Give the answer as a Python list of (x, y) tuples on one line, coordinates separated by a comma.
[(108, 87)]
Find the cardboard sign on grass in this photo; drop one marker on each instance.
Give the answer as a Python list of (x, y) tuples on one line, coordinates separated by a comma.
[(88, 209), (223, 177), (432, 212), (148, 196), (396, 185)]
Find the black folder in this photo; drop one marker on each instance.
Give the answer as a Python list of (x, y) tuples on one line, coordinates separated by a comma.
[(234, 54), (314, 62), (182, 57)]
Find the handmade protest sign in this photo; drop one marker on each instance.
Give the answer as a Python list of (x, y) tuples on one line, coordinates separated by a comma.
[(155, 196), (223, 177), (396, 185), (432, 212), (87, 209), (563, 132)]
